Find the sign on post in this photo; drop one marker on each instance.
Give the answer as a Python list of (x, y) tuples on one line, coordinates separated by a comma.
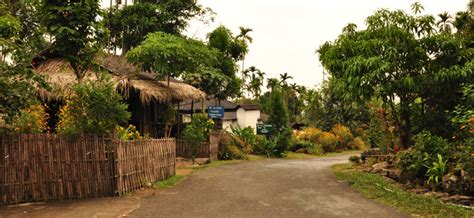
[(265, 129), (215, 112)]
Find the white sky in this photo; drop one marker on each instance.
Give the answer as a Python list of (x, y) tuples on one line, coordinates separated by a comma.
[(287, 33)]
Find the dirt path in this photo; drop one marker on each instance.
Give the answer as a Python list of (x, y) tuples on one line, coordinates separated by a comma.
[(270, 188)]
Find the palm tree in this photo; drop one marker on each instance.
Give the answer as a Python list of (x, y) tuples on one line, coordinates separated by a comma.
[(462, 22), (261, 74), (272, 83), (246, 39), (417, 8), (255, 85), (445, 22), (244, 34), (284, 78)]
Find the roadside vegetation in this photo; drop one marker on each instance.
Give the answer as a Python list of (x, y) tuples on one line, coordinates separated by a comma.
[(387, 192), (170, 182), (405, 84)]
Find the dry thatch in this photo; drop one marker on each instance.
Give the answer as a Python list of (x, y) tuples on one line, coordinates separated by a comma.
[(60, 76)]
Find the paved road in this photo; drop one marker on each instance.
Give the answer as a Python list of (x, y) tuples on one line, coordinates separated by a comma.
[(270, 188)]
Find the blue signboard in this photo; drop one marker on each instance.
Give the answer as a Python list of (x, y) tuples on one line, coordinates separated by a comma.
[(215, 112)]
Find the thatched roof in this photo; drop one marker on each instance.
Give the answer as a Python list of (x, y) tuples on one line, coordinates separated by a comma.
[(61, 77)]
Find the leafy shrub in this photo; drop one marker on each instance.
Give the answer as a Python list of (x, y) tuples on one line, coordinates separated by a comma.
[(328, 141), (381, 131), (310, 134), (227, 148), (94, 107), (245, 136), (357, 144), (263, 146), (33, 119), (354, 159), (464, 169), (436, 171), (343, 135), (302, 146), (282, 142), (414, 161), (197, 132), (315, 149), (463, 115), (129, 133)]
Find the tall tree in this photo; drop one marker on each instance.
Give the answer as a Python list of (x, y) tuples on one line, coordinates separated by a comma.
[(231, 51), (284, 79), (445, 22), (76, 32), (390, 58), (272, 83), (17, 79), (245, 37), (171, 56), (256, 78), (129, 25)]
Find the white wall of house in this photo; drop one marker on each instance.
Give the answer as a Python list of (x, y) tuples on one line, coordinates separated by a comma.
[(227, 123), (245, 118), (248, 118)]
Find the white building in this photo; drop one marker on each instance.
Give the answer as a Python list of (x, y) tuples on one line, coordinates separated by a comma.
[(243, 115)]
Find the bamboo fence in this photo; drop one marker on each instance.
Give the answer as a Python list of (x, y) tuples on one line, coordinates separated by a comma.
[(206, 150), (43, 167), (142, 162)]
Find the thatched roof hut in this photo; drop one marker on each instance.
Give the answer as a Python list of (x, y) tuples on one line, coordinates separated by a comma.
[(60, 76), (148, 98)]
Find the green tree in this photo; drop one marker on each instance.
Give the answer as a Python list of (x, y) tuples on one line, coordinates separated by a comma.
[(393, 58), (131, 24), (324, 108), (17, 79), (230, 51), (272, 83), (95, 107), (278, 117), (244, 37), (171, 56), (197, 132), (284, 79), (76, 32), (255, 83), (445, 22)]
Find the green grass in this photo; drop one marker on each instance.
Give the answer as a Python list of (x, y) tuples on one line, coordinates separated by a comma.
[(380, 189), (296, 156), (169, 183)]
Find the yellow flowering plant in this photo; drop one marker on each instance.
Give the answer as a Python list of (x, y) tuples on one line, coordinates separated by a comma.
[(127, 134), (33, 119)]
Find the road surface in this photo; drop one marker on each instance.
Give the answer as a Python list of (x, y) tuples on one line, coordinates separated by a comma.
[(269, 188)]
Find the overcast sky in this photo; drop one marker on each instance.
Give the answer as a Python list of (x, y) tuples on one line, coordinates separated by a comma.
[(287, 33)]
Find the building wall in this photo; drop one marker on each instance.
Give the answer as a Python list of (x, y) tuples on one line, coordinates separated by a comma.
[(248, 118), (227, 123)]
